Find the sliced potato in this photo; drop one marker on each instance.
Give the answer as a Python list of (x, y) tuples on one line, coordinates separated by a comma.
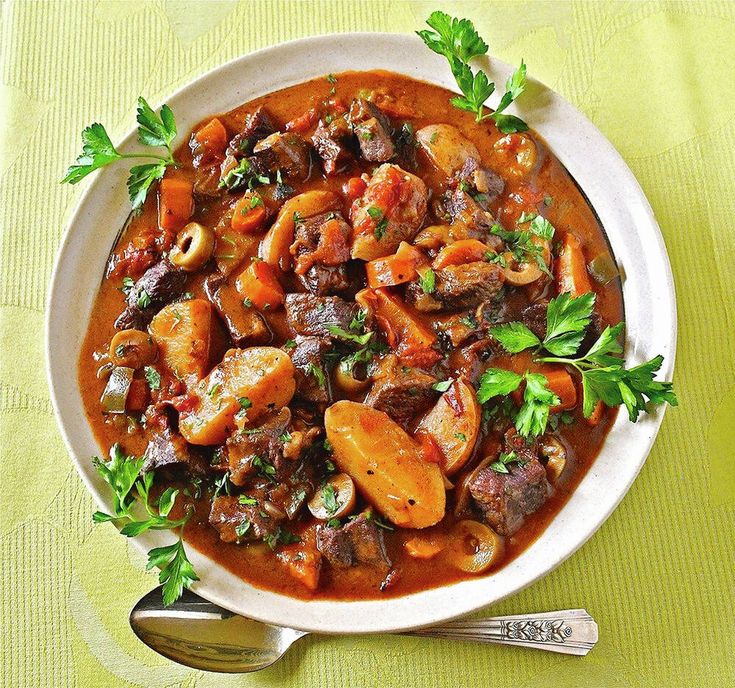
[(275, 247), (454, 424), (386, 464), (182, 332), (446, 147), (256, 380)]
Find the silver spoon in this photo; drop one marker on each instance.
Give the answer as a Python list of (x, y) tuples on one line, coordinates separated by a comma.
[(204, 636)]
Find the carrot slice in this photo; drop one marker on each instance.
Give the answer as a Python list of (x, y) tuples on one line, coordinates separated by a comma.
[(258, 283), (213, 137), (249, 214), (460, 252), (560, 382), (571, 268), (175, 203), (353, 188)]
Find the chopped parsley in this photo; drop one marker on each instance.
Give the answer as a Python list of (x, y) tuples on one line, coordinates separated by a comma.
[(427, 281), (153, 377)]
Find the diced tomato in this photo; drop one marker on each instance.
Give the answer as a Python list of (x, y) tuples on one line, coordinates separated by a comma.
[(353, 188), (332, 248), (258, 283), (137, 398), (304, 122)]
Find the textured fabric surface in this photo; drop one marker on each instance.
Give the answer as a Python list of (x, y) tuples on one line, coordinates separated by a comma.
[(656, 78)]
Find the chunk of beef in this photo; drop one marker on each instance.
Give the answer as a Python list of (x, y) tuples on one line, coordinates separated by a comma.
[(505, 498), (331, 142), (311, 316), (236, 522), (159, 285), (313, 381), (288, 152), (462, 208), (373, 130), (245, 325), (420, 300), (459, 287), (358, 541), (168, 449), (485, 181), (322, 249), (263, 441), (258, 125), (391, 210), (400, 391)]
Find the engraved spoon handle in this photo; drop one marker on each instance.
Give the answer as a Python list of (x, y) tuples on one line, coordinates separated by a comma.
[(571, 632)]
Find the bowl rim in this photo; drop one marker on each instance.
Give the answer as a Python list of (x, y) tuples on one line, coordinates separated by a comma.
[(583, 150)]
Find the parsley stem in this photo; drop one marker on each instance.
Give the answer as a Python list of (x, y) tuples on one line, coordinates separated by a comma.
[(169, 160), (579, 363)]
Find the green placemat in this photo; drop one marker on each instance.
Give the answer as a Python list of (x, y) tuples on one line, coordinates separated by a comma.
[(656, 78)]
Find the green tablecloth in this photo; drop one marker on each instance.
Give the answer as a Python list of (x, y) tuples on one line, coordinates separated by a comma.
[(656, 78)]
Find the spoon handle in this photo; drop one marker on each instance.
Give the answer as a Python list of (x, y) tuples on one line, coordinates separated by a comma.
[(571, 632)]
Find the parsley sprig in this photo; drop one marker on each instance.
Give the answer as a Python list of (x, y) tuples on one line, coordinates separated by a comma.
[(122, 474), (458, 41), (523, 242), (602, 368), (154, 130)]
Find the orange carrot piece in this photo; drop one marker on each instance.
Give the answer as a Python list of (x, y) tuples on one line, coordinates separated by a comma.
[(460, 252), (395, 269), (258, 283), (249, 214), (175, 203), (560, 382), (571, 268), (213, 137), (303, 561)]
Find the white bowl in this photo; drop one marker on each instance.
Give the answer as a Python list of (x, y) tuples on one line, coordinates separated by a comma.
[(598, 169)]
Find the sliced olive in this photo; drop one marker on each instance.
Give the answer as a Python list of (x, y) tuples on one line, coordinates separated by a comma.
[(345, 378), (473, 547), (556, 457), (132, 349), (194, 246), (335, 499)]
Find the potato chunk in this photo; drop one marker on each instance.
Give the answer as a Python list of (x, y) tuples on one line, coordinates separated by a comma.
[(182, 333), (454, 424), (386, 464), (256, 380), (446, 147)]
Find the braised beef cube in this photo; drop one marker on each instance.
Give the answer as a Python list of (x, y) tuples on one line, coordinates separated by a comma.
[(400, 391), (160, 284), (258, 125), (262, 441), (373, 131), (322, 249), (168, 449), (331, 142), (358, 541), (238, 522), (207, 180), (420, 300), (288, 152), (313, 381), (487, 183), (311, 316), (463, 208), (459, 287), (506, 498), (245, 325)]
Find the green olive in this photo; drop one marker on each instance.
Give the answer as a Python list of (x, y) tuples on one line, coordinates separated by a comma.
[(473, 547), (132, 349), (194, 246), (556, 457), (335, 499), (346, 380)]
